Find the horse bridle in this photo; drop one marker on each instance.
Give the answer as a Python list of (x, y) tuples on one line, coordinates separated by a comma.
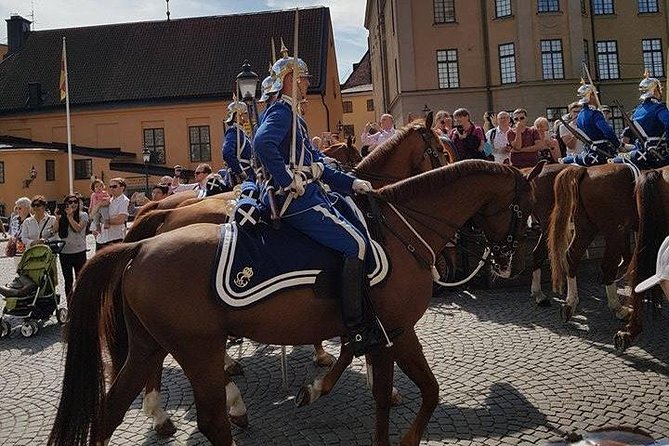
[(428, 152), (510, 243)]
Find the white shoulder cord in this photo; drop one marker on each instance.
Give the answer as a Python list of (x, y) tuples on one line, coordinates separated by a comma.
[(435, 274)]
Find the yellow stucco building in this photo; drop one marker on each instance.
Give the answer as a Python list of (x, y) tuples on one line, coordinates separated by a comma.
[(163, 85)]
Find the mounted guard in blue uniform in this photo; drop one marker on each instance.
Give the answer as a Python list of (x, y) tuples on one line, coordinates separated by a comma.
[(650, 125), (296, 170), (237, 148), (601, 141)]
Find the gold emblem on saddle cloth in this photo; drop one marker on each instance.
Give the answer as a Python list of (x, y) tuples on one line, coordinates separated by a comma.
[(244, 277)]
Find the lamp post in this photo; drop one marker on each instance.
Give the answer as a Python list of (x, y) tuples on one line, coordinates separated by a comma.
[(426, 110), (247, 82), (146, 155)]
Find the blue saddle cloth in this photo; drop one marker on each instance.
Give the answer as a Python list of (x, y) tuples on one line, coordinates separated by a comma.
[(253, 264)]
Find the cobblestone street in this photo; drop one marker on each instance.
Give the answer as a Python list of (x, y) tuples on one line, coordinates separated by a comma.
[(509, 374)]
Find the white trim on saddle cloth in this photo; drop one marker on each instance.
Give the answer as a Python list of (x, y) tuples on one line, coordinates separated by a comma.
[(224, 272)]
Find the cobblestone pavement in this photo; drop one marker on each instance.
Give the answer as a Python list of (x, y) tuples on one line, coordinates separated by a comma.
[(509, 374)]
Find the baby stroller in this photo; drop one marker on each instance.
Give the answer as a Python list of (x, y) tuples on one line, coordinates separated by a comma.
[(32, 296)]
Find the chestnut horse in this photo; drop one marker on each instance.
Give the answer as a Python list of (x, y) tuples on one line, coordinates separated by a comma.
[(346, 153), (652, 196), (424, 211), (413, 150)]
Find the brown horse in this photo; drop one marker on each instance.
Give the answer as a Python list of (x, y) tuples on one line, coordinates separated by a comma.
[(652, 196), (413, 150), (598, 199), (543, 191), (345, 153), (423, 211)]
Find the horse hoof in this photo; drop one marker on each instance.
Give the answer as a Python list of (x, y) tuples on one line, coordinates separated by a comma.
[(566, 312), (166, 429), (303, 397), (240, 420), (395, 398), (324, 359), (622, 340), (235, 369)]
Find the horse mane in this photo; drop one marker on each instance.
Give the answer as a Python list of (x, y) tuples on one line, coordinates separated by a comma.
[(383, 149), (438, 178)]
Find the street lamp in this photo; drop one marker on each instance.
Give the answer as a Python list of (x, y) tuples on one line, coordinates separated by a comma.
[(247, 82), (426, 110), (146, 155)]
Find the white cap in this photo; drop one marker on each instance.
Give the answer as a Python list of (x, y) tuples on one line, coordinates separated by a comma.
[(661, 269)]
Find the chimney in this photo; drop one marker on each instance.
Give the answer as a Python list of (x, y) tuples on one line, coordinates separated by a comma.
[(18, 29), (35, 97)]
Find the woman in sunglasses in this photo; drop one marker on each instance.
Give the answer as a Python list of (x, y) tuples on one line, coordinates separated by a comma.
[(71, 227), (38, 228)]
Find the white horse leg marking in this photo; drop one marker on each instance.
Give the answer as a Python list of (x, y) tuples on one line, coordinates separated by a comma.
[(315, 389), (614, 304), (572, 292), (370, 374), (151, 407), (234, 401)]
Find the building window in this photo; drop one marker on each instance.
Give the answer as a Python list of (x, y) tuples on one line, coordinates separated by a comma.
[(602, 7), (617, 120), (348, 107), (444, 11), (507, 63), (646, 6), (2, 172), (50, 169), (200, 144), (551, 59), (83, 169), (154, 140), (607, 59), (447, 68), (548, 6), (370, 104), (652, 56), (502, 8), (347, 130), (553, 113)]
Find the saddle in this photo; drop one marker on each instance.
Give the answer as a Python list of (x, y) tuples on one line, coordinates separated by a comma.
[(257, 262)]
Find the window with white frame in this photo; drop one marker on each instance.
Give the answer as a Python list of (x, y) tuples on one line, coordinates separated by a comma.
[(447, 68), (553, 113), (648, 6), (607, 59), (652, 56), (507, 63), (444, 11), (617, 121), (502, 8), (548, 6), (602, 7), (551, 59)]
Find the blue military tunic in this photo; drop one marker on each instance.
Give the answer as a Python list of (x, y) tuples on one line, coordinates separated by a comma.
[(239, 157), (652, 118), (605, 143), (312, 213)]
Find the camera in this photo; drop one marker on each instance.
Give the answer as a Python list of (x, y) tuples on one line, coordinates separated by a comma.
[(459, 128), (60, 208)]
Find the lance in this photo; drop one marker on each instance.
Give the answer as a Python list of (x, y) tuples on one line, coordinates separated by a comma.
[(273, 54), (293, 145), (587, 73)]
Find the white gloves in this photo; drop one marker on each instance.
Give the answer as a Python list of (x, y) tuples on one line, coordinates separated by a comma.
[(361, 186), (297, 186)]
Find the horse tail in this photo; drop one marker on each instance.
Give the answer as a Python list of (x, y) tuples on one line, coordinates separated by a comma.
[(147, 226), (566, 192), (81, 404), (652, 230)]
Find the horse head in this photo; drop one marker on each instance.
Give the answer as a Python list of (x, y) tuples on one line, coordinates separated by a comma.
[(345, 153), (504, 222)]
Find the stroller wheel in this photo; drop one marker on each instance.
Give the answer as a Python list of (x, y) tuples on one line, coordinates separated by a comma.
[(61, 315), (5, 329), (29, 328)]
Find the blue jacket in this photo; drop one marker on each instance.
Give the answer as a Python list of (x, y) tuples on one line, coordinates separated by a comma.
[(592, 122), (653, 116), (238, 159), (272, 147)]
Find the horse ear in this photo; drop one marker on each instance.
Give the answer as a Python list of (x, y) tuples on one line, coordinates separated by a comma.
[(536, 170), (349, 141), (429, 119)]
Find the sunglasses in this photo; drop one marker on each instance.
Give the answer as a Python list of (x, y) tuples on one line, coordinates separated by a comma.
[(113, 186)]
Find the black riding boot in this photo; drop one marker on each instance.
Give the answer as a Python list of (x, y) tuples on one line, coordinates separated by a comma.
[(363, 335)]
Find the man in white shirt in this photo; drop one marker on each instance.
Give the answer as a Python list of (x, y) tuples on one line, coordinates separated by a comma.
[(201, 174), (384, 131), (574, 145), (497, 138), (113, 229)]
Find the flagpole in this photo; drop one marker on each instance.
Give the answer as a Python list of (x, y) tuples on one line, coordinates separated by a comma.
[(67, 114)]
